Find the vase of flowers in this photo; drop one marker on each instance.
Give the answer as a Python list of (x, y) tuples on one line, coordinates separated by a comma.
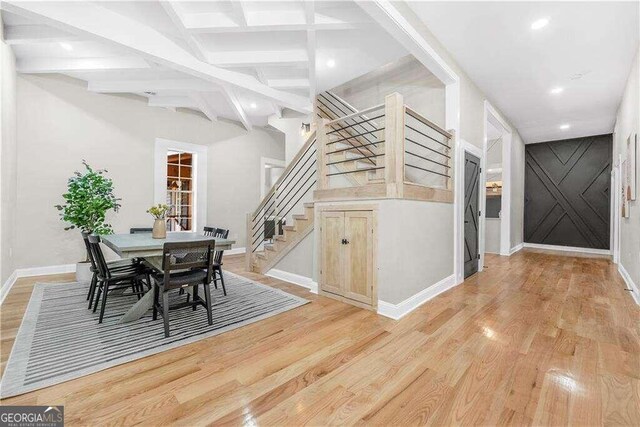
[(159, 212)]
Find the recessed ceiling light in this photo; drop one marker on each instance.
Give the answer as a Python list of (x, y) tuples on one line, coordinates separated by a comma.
[(253, 105), (557, 90), (331, 63), (565, 126), (540, 23), (66, 46)]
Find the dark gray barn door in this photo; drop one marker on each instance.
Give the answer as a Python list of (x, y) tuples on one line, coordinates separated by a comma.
[(471, 203), (568, 192)]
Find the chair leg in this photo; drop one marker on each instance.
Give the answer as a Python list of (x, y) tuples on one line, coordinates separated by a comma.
[(93, 283), (155, 301), (224, 290), (104, 301), (207, 299), (165, 312), (92, 289), (195, 297), (95, 303)]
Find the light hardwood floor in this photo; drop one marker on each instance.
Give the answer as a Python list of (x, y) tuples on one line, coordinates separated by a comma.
[(538, 338)]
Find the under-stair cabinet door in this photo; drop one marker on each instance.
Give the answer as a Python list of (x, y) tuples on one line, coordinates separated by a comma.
[(347, 248)]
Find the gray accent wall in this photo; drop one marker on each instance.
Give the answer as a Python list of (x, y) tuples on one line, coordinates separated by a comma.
[(60, 123)]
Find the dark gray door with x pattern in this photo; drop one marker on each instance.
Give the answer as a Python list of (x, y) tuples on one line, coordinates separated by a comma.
[(471, 203), (568, 192)]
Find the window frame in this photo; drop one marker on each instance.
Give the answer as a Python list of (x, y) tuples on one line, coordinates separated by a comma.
[(198, 173)]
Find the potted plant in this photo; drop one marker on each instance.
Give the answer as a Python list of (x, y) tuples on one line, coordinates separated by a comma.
[(159, 212), (88, 198)]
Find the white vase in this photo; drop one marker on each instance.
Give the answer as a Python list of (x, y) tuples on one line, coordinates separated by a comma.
[(159, 229), (83, 272)]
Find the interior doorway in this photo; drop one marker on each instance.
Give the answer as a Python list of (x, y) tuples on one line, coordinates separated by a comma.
[(471, 213), (270, 172)]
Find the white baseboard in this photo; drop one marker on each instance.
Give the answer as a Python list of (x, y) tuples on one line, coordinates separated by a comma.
[(568, 249), (235, 251), (296, 279), (6, 286), (635, 291), (516, 248), (31, 272), (396, 311)]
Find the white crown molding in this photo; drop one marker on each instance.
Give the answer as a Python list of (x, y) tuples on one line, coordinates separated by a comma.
[(31, 272), (296, 279), (397, 311), (635, 291), (568, 249)]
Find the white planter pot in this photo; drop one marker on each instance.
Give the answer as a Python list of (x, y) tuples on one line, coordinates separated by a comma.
[(83, 272)]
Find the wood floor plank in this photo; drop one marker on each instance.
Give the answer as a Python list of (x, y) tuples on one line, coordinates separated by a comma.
[(538, 338)]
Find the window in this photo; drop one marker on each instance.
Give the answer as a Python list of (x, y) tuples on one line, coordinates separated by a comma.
[(180, 190), (180, 181)]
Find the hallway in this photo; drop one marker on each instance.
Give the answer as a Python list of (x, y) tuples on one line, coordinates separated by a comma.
[(537, 338)]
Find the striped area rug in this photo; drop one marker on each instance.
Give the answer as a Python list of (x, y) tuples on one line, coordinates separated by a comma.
[(60, 339)]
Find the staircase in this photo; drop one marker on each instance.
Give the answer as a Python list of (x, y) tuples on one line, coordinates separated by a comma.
[(291, 198)]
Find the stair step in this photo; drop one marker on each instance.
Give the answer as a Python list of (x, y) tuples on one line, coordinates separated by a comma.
[(270, 247), (309, 205), (300, 217), (280, 238), (261, 255), (289, 228)]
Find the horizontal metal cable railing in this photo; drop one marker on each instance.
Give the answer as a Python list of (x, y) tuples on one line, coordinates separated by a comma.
[(354, 147), (298, 179), (427, 152)]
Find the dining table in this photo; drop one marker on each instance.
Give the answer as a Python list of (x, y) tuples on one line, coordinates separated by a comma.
[(143, 245)]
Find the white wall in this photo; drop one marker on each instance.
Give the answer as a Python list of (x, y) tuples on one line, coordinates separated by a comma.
[(517, 190), (627, 123), (492, 235), (8, 176), (420, 89), (60, 123)]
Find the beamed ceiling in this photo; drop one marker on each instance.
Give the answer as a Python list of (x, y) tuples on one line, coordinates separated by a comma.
[(238, 60)]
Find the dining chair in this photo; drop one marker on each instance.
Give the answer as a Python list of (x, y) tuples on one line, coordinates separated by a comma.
[(120, 265), (113, 278), (184, 264), (140, 230), (220, 233), (209, 231)]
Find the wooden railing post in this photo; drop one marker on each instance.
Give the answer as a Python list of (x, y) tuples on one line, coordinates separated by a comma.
[(450, 151), (322, 139), (249, 244), (394, 144)]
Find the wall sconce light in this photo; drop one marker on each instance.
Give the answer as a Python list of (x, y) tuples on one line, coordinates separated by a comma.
[(305, 128)]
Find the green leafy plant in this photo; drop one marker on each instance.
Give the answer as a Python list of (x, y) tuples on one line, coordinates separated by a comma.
[(88, 198), (159, 211)]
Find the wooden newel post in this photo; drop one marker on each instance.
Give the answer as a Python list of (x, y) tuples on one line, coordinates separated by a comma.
[(322, 140), (450, 151), (394, 144), (249, 244)]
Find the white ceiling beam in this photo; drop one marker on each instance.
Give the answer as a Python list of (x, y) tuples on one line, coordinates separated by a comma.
[(231, 97), (389, 18), (239, 12), (63, 65), (263, 79), (203, 103), (176, 15), (172, 102), (258, 58), (311, 47), (212, 28), (137, 86), (92, 21), (288, 83), (25, 34)]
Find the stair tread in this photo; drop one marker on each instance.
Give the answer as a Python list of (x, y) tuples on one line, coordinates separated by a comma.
[(309, 205), (289, 227), (300, 216)]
